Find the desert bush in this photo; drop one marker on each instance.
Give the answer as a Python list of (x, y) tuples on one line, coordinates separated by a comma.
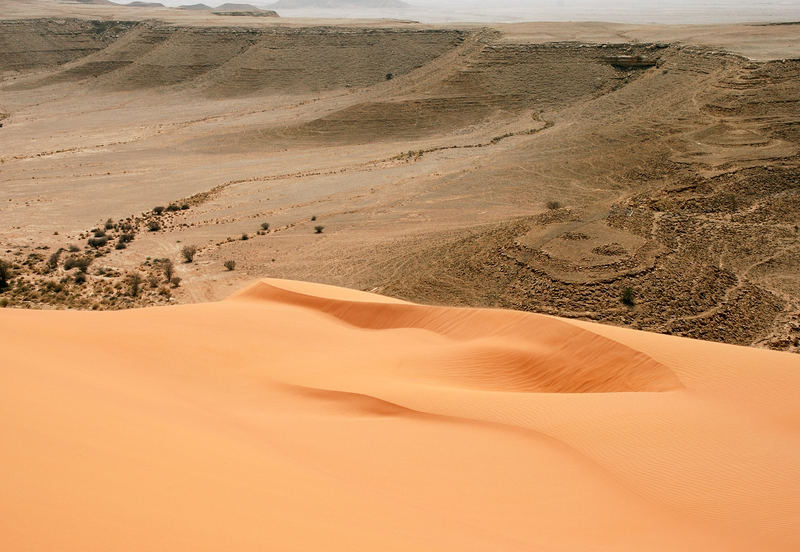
[(318, 229), (52, 261), (245, 237), (125, 238), (313, 217), (109, 224), (175, 281), (169, 269), (265, 226), (188, 252), (153, 280), (172, 208), (81, 263), (158, 209), (5, 273), (389, 76), (73, 248), (120, 245), (553, 205), (80, 278), (230, 265), (184, 207), (134, 281), (627, 296), (98, 233), (153, 226), (98, 242)]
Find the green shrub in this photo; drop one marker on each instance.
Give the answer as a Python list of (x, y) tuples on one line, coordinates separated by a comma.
[(627, 296)]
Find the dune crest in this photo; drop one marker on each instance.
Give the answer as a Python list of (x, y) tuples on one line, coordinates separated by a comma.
[(490, 349), (297, 416)]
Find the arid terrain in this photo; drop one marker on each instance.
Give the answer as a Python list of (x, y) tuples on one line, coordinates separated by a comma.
[(543, 167)]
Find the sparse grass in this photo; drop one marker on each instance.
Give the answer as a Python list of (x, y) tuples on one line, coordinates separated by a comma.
[(230, 264), (318, 229), (188, 252)]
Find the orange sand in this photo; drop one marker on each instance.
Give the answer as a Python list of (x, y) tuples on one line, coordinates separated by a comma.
[(303, 417)]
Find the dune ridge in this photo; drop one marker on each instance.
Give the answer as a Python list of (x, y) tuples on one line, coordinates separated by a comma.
[(299, 416)]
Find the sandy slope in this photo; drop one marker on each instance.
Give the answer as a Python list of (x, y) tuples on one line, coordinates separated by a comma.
[(304, 417)]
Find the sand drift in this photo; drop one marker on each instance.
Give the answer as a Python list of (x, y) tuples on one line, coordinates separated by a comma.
[(300, 416)]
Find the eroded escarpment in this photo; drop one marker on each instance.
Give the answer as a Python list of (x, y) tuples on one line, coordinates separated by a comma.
[(644, 184)]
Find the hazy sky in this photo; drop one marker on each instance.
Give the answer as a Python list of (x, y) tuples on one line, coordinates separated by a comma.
[(635, 11)]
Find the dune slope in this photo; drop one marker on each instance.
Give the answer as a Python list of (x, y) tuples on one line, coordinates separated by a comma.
[(301, 417)]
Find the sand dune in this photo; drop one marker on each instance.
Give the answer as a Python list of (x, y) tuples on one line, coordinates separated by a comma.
[(300, 417)]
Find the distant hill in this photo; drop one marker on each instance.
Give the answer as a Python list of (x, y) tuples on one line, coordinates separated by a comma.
[(198, 7), (291, 4), (237, 7), (146, 5), (97, 2)]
